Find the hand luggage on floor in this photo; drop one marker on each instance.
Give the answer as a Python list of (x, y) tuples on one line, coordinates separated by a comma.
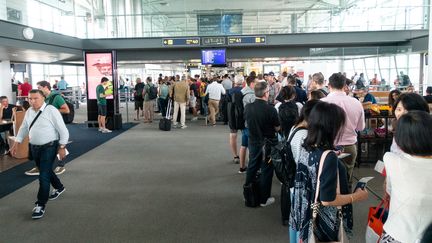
[(165, 122), (251, 193), (115, 122)]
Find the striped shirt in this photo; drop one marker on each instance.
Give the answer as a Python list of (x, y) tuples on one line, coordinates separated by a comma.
[(48, 127)]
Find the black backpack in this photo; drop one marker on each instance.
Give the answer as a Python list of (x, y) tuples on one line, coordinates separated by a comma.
[(152, 92), (235, 111), (288, 114), (283, 160), (67, 118)]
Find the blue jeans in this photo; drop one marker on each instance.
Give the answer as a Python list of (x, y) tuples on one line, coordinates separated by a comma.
[(256, 161), (44, 156), (163, 105), (204, 107)]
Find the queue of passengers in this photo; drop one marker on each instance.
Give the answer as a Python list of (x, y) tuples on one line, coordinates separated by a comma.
[(320, 129)]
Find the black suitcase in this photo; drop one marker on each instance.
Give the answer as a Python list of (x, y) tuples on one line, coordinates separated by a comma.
[(251, 193), (114, 123), (165, 122)]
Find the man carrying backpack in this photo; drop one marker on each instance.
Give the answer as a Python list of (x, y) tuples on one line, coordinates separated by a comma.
[(235, 114), (149, 98), (56, 100)]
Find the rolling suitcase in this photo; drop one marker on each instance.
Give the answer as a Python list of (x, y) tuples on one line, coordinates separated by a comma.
[(165, 122)]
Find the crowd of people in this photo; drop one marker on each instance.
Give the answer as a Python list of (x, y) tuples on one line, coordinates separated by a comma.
[(319, 123), (323, 123), (322, 120)]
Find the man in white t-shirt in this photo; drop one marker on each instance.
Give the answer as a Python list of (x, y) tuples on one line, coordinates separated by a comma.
[(215, 90)]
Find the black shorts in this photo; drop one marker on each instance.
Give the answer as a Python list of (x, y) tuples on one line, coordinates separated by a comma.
[(139, 104), (102, 110)]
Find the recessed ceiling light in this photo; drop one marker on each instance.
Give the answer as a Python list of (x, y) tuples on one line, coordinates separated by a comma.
[(14, 54)]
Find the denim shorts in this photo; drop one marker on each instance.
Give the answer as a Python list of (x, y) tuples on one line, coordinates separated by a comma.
[(245, 137)]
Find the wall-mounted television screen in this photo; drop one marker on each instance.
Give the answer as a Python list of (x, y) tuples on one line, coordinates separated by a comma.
[(19, 67), (213, 57)]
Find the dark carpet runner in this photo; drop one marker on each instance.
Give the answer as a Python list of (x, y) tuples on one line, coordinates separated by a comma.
[(83, 139)]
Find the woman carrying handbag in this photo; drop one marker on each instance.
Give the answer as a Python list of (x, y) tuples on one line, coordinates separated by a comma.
[(322, 201)]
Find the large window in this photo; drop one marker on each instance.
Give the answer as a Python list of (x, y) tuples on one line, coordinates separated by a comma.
[(132, 18)]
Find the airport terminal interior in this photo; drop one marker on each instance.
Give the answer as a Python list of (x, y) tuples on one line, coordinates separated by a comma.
[(145, 175)]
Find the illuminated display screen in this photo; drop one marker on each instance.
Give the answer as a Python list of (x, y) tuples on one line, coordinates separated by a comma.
[(98, 65), (213, 57)]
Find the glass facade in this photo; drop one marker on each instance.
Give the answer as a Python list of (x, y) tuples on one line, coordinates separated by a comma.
[(157, 18)]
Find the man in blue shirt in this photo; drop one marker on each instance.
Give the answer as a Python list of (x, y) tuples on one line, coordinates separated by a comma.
[(62, 84)]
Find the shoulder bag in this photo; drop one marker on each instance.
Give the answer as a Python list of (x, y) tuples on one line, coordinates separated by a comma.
[(317, 211), (30, 156)]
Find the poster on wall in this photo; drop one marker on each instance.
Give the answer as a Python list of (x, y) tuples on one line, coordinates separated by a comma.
[(99, 65)]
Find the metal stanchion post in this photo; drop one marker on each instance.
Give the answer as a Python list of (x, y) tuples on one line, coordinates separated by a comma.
[(127, 106)]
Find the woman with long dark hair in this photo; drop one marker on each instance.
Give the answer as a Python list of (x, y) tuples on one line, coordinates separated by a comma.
[(324, 126)]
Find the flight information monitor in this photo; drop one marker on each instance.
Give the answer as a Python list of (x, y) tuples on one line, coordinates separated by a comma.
[(213, 57)]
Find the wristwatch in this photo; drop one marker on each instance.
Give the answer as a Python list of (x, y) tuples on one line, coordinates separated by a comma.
[(62, 146)]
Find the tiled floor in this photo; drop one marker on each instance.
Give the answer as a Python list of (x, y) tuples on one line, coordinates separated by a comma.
[(7, 162)]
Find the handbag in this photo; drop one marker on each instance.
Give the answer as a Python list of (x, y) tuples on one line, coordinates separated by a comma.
[(342, 238), (376, 219), (30, 156)]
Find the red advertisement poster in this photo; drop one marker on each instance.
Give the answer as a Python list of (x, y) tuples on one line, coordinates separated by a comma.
[(98, 65)]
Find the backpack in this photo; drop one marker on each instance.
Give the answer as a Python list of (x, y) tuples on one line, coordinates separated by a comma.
[(288, 114), (235, 111), (283, 160), (152, 92), (67, 118)]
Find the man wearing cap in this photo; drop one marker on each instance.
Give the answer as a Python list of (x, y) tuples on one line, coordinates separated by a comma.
[(273, 88)]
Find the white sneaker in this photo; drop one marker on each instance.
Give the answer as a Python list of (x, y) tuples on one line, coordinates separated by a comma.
[(194, 118), (100, 129), (270, 201), (183, 127), (106, 131)]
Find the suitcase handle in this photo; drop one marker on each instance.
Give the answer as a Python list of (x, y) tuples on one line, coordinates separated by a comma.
[(168, 113)]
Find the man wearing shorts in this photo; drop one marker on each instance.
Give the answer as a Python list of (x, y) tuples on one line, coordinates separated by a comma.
[(248, 97), (102, 104), (138, 97)]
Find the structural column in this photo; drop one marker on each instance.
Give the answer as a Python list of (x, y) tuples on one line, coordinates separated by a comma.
[(428, 80), (5, 81)]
